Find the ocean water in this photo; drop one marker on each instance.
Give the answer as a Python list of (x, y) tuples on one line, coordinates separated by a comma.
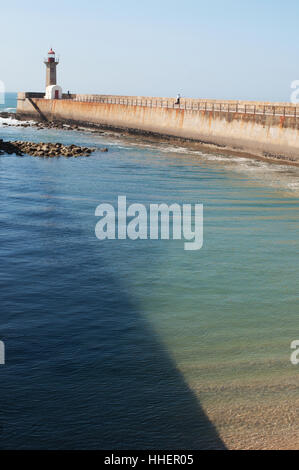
[(140, 344), (8, 103)]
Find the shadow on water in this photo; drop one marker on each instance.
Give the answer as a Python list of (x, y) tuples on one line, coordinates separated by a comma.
[(84, 369)]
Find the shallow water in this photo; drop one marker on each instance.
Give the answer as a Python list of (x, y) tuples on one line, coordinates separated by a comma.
[(124, 344)]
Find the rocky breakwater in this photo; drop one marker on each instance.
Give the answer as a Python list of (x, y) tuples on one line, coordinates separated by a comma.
[(45, 149)]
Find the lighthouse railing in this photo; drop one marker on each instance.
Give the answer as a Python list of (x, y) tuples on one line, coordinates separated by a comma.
[(48, 60), (266, 109)]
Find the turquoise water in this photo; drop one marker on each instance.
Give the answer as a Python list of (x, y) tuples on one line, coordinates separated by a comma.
[(140, 344)]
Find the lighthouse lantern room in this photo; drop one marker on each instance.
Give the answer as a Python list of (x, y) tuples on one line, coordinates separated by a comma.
[(53, 91)]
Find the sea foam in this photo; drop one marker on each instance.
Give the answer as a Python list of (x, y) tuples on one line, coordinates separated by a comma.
[(12, 122)]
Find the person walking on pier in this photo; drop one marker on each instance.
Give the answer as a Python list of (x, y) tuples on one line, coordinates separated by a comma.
[(178, 99)]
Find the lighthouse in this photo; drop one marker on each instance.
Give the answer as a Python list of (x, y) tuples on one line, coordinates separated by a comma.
[(53, 91)]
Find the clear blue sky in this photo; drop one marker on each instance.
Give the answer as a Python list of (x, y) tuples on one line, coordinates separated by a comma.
[(230, 49)]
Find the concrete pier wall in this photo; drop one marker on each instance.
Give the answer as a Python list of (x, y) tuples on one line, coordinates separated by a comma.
[(272, 135)]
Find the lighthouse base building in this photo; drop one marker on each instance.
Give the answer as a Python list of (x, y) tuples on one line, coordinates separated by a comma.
[(53, 92)]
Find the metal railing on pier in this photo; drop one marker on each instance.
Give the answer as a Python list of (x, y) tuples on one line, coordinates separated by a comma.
[(200, 105)]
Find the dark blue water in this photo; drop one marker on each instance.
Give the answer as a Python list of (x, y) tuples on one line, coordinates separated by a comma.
[(123, 344)]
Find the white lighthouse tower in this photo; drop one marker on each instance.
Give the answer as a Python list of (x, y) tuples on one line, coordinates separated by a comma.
[(53, 91)]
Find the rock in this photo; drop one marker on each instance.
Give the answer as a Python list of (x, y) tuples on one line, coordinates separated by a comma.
[(44, 149), (104, 149)]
